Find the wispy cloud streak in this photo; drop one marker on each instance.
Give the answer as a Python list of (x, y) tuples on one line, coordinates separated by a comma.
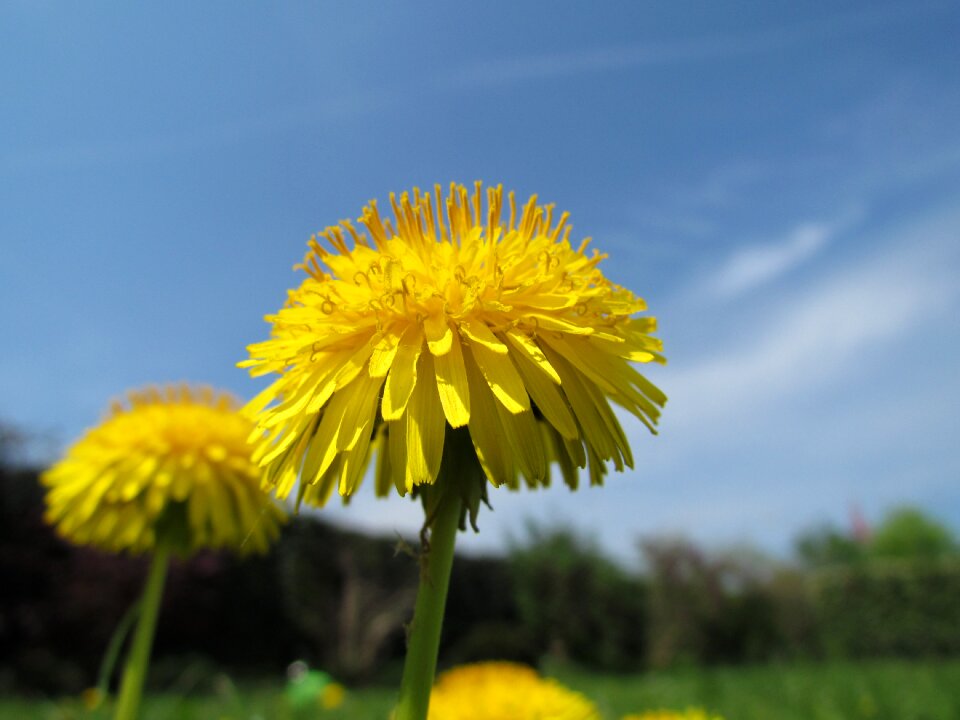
[(752, 267), (694, 50), (820, 333)]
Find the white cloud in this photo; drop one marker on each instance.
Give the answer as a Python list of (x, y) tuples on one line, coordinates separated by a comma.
[(825, 330), (758, 265)]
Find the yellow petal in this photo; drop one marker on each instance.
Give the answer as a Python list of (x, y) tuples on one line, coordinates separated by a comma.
[(425, 428), (616, 376), (439, 334), (486, 432), (548, 397), (360, 411), (397, 445), (502, 377), (549, 322), (322, 449), (271, 448), (614, 429), (643, 349), (453, 386), (529, 348), (222, 516), (383, 480), (355, 464), (403, 375), (384, 351), (561, 454), (524, 438), (569, 352), (296, 398), (319, 493), (282, 481), (353, 365), (480, 334), (592, 425), (261, 399)]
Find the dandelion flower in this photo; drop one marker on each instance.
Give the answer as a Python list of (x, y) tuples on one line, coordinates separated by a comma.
[(450, 317), (92, 698), (171, 466), (168, 472), (501, 690), (688, 714)]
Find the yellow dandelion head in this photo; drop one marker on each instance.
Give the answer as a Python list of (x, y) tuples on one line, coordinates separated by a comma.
[(499, 690), (688, 714), (172, 465), (451, 324)]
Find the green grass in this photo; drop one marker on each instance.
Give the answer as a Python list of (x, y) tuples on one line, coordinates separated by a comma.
[(882, 690), (841, 691)]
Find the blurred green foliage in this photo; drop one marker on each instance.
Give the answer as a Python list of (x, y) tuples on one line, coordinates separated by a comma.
[(576, 603), (905, 533), (826, 546), (909, 534), (894, 608), (339, 600), (708, 609)]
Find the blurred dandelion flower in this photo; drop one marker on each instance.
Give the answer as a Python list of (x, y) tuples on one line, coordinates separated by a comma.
[(688, 714), (169, 472), (332, 696), (450, 317), (171, 466), (92, 698), (499, 690)]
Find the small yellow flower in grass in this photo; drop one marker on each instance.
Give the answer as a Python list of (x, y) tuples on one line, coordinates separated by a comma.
[(173, 462), (688, 714), (92, 698), (332, 696), (502, 691), (451, 317)]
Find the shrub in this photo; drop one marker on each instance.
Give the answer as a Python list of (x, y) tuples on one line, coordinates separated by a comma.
[(894, 608), (577, 604)]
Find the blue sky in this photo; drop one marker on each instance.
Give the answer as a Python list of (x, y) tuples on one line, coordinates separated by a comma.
[(780, 181)]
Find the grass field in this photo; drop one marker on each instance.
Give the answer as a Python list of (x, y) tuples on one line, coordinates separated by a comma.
[(843, 691)]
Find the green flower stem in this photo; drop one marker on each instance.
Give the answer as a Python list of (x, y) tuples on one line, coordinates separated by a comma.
[(117, 641), (135, 670), (423, 644)]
